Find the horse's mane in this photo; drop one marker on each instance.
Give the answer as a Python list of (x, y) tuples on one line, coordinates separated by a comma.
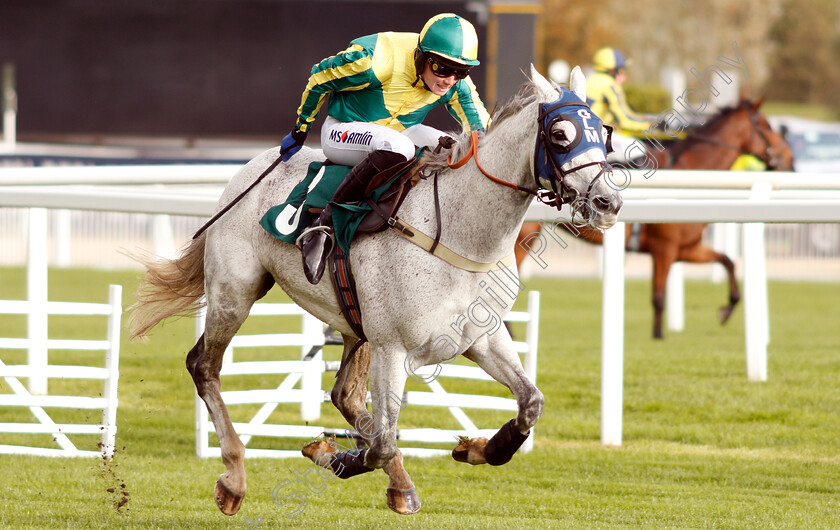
[(524, 97)]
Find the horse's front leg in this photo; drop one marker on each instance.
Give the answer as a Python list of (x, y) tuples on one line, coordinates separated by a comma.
[(348, 395), (496, 355), (387, 383)]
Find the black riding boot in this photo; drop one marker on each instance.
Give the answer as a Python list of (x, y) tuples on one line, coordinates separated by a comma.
[(313, 242)]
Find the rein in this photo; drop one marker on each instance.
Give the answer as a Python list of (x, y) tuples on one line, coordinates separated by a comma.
[(472, 152), (544, 196), (554, 197)]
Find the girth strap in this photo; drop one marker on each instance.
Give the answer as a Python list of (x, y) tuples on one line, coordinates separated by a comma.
[(443, 252), (345, 290)]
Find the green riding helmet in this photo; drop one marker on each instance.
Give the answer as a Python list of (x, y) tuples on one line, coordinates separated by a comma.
[(451, 37)]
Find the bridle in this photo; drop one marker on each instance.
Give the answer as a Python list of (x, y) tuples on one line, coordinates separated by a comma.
[(555, 197), (769, 158), (551, 114)]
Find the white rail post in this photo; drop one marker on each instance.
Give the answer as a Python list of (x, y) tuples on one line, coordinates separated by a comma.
[(675, 297), (10, 104), (112, 363), (718, 245), (62, 234), (725, 241), (163, 241), (36, 288), (756, 314), (310, 383), (612, 336)]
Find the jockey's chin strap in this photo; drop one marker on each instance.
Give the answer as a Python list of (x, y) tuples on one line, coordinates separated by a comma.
[(544, 196)]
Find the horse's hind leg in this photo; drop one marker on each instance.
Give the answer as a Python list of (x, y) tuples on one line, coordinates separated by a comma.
[(703, 254), (664, 255), (228, 305), (349, 396)]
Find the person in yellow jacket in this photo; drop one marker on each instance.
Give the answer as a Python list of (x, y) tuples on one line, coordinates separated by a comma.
[(380, 90), (607, 100)]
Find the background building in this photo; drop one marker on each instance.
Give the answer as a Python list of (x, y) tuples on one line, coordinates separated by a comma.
[(216, 67)]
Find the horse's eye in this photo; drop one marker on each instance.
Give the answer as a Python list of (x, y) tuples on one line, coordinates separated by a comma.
[(559, 136)]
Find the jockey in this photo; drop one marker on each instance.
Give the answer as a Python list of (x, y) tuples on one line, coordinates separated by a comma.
[(606, 97), (380, 90)]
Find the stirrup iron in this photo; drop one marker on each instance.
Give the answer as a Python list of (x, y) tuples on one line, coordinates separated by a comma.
[(319, 228)]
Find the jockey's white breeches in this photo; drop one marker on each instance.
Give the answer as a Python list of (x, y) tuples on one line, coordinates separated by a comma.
[(348, 143)]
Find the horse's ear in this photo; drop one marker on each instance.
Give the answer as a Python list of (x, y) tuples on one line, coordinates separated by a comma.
[(542, 85), (577, 83), (758, 102)]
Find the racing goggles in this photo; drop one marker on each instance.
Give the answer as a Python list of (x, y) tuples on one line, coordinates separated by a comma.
[(446, 69)]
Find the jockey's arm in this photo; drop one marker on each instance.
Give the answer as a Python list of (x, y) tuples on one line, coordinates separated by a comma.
[(348, 70), (465, 106), (628, 121)]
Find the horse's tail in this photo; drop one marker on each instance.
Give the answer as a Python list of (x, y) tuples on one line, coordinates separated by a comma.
[(171, 288)]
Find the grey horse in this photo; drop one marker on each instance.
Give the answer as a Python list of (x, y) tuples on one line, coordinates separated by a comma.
[(417, 309)]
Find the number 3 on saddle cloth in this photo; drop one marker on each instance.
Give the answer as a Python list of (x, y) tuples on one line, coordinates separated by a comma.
[(385, 193)]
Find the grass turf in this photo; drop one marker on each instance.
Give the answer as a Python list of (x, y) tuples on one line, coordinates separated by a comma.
[(703, 447)]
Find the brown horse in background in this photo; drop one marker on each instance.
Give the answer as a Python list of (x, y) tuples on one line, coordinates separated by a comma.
[(715, 145)]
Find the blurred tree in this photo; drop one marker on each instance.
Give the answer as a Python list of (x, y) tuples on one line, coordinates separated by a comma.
[(807, 55), (574, 30), (659, 33)]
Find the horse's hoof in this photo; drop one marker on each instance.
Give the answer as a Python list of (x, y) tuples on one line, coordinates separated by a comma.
[(404, 502), (724, 313), (314, 449), (226, 500), (320, 452), (470, 451)]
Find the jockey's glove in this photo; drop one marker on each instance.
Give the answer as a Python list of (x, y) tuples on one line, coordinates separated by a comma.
[(292, 143)]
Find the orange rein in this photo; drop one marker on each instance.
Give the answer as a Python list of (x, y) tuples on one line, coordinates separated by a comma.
[(473, 153)]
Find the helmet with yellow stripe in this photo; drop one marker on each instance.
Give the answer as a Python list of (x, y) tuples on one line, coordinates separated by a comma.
[(450, 37), (608, 60)]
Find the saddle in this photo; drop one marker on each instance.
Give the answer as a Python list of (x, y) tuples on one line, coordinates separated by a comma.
[(286, 221), (382, 210), (390, 201), (386, 192)]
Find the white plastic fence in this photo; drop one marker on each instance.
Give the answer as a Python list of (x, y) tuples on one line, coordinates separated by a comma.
[(306, 376), (38, 370), (798, 198)]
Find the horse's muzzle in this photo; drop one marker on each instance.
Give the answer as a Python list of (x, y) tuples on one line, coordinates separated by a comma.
[(601, 212)]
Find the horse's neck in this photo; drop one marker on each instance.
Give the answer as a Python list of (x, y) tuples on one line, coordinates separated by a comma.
[(700, 155), (480, 218), (720, 152)]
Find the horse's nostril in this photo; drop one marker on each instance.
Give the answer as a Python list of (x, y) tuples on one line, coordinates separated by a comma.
[(602, 204)]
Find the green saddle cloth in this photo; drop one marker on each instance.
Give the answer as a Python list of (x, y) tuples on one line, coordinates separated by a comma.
[(288, 220)]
